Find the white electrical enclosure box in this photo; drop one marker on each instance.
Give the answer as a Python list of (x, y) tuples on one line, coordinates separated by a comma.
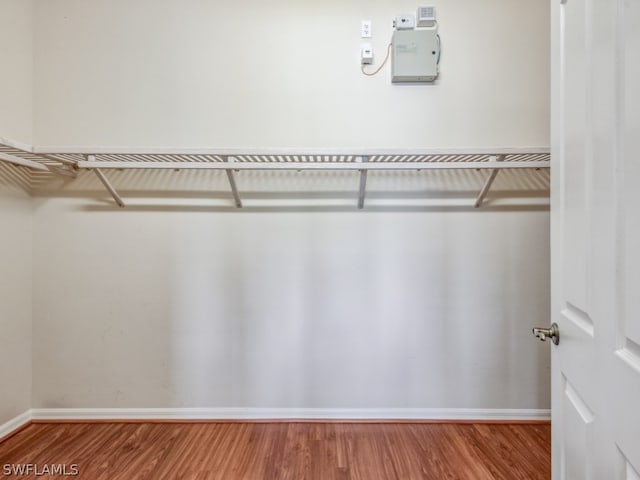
[(414, 56), (404, 22)]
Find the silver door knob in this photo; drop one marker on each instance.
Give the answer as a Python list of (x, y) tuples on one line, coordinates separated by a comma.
[(552, 332)]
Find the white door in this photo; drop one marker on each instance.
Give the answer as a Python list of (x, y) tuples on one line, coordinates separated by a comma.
[(596, 238)]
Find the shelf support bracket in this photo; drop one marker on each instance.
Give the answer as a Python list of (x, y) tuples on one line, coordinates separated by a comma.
[(232, 184), (363, 184), (107, 184), (487, 184)]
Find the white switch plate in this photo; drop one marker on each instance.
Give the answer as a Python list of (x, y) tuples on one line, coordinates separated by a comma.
[(365, 29)]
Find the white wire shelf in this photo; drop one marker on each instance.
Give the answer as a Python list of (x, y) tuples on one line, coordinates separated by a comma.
[(68, 161)]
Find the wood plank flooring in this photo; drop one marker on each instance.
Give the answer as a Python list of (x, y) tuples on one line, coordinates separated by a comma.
[(283, 451)]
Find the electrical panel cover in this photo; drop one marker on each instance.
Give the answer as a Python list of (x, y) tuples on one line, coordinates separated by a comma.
[(414, 56)]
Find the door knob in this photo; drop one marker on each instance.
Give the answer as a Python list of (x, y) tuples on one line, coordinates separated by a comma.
[(552, 332)]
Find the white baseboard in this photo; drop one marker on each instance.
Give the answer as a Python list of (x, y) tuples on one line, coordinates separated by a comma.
[(364, 414), (15, 423)]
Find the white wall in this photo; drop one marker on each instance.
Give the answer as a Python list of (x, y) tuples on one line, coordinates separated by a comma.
[(15, 293), (158, 306), (16, 80), (197, 308), (15, 211), (284, 73)]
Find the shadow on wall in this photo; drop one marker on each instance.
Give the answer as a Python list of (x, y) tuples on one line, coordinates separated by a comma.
[(352, 311), (12, 176)]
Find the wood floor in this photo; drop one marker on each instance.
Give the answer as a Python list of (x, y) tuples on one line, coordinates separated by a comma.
[(274, 451)]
